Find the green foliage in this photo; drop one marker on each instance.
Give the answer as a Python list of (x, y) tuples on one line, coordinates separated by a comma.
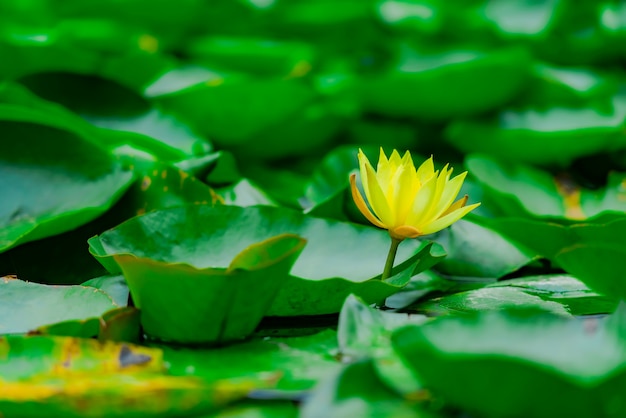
[(178, 235)]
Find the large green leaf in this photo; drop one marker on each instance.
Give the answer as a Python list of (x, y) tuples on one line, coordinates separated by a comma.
[(557, 135), (567, 367), (445, 82), (186, 304), (221, 115), (25, 306), (53, 180), (475, 250), (559, 294), (599, 264), (86, 46), (65, 259), (119, 108), (339, 259), (128, 137), (302, 361), (72, 377), (525, 191), (357, 391), (548, 238)]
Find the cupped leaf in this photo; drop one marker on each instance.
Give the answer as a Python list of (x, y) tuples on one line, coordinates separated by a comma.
[(260, 56), (339, 259), (25, 306), (185, 304), (566, 367), (573, 86)]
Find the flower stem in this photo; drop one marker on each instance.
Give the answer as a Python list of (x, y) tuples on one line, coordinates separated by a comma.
[(391, 258)]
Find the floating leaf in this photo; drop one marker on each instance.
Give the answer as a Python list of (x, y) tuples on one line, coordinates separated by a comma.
[(114, 286), (451, 82), (339, 258), (356, 391), (74, 377), (517, 357), (475, 250), (53, 180), (25, 306), (302, 361), (556, 136), (186, 304), (524, 191)]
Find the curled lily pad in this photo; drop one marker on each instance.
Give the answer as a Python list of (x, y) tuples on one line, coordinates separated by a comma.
[(183, 303), (340, 258)]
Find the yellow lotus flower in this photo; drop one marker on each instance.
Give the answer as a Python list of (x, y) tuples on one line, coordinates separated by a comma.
[(409, 202)]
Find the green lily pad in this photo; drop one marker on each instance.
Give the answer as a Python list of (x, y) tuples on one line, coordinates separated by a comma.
[(25, 306), (127, 139), (65, 259), (244, 193), (524, 191), (53, 180), (567, 367), (548, 238), (569, 86), (212, 101), (597, 264), (451, 82), (475, 250), (186, 304), (339, 259), (559, 294), (72, 377), (302, 361), (260, 56), (357, 391), (119, 324), (121, 109), (557, 135), (123, 53), (114, 286)]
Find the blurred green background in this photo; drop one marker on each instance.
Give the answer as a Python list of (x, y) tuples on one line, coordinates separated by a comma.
[(533, 81)]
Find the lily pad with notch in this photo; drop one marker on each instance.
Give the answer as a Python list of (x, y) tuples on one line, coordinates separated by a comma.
[(340, 258), (185, 304)]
